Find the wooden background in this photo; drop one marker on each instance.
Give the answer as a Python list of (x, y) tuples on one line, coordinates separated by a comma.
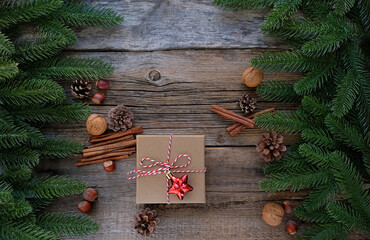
[(200, 52)]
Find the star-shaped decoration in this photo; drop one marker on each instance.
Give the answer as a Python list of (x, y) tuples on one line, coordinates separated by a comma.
[(180, 186)]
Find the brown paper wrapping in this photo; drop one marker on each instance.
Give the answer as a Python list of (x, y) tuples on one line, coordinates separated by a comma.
[(152, 189)]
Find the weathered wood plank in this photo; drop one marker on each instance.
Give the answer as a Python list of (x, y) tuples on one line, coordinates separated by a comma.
[(176, 24), (233, 199), (180, 101)]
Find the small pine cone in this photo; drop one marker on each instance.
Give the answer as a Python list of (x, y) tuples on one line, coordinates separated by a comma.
[(120, 118), (146, 221), (270, 146), (247, 104), (81, 88)]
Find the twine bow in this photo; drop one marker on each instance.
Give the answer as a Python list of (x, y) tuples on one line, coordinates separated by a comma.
[(166, 168)]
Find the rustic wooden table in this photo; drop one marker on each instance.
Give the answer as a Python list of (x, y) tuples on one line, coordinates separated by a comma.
[(200, 52)]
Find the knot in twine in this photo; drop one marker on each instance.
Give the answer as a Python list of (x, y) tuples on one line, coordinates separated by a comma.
[(166, 167)]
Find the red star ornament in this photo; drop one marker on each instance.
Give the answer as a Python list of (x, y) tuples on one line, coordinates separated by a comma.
[(180, 186)]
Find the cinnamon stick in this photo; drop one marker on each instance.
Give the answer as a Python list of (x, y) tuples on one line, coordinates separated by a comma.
[(233, 116), (128, 137), (78, 164), (107, 155), (130, 131), (115, 152), (237, 127), (108, 148), (101, 136), (121, 144)]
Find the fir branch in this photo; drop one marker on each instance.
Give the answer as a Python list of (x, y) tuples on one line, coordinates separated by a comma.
[(244, 4), (326, 232), (287, 61), (31, 91), (281, 11), (278, 91), (72, 68), (60, 148), (351, 184), (319, 137), (5, 193), (341, 7), (38, 204), (11, 135), (16, 209), (347, 91), (314, 80), (6, 46), (39, 48), (16, 174), (347, 216), (314, 106), (50, 187), (291, 122), (23, 230), (290, 162), (297, 181), (56, 113), (315, 155), (55, 28), (316, 216), (35, 137), (347, 133), (12, 12), (319, 197), (19, 156), (83, 15), (8, 69), (363, 7), (67, 225)]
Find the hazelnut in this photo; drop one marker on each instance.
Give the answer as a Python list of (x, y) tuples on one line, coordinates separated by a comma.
[(90, 194), (98, 98), (103, 84), (272, 214), (96, 124), (109, 166), (252, 77), (288, 207), (291, 227), (84, 206)]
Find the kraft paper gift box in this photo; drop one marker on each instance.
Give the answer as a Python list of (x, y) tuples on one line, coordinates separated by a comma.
[(153, 188)]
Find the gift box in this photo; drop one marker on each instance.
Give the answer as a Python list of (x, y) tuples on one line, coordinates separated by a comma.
[(153, 188)]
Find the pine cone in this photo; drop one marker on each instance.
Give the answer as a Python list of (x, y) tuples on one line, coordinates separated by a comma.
[(81, 88), (120, 118), (270, 146), (247, 104), (146, 221)]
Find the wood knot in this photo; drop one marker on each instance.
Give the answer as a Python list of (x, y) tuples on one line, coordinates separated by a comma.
[(154, 75)]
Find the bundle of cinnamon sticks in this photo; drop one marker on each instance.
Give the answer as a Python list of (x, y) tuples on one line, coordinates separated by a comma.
[(110, 146), (241, 121)]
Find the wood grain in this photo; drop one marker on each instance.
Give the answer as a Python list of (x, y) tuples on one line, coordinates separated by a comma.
[(176, 24), (197, 53)]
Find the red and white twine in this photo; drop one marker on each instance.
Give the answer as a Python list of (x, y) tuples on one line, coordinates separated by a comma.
[(166, 167)]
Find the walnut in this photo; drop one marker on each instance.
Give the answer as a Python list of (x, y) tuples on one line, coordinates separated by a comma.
[(272, 214), (96, 124), (252, 77)]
